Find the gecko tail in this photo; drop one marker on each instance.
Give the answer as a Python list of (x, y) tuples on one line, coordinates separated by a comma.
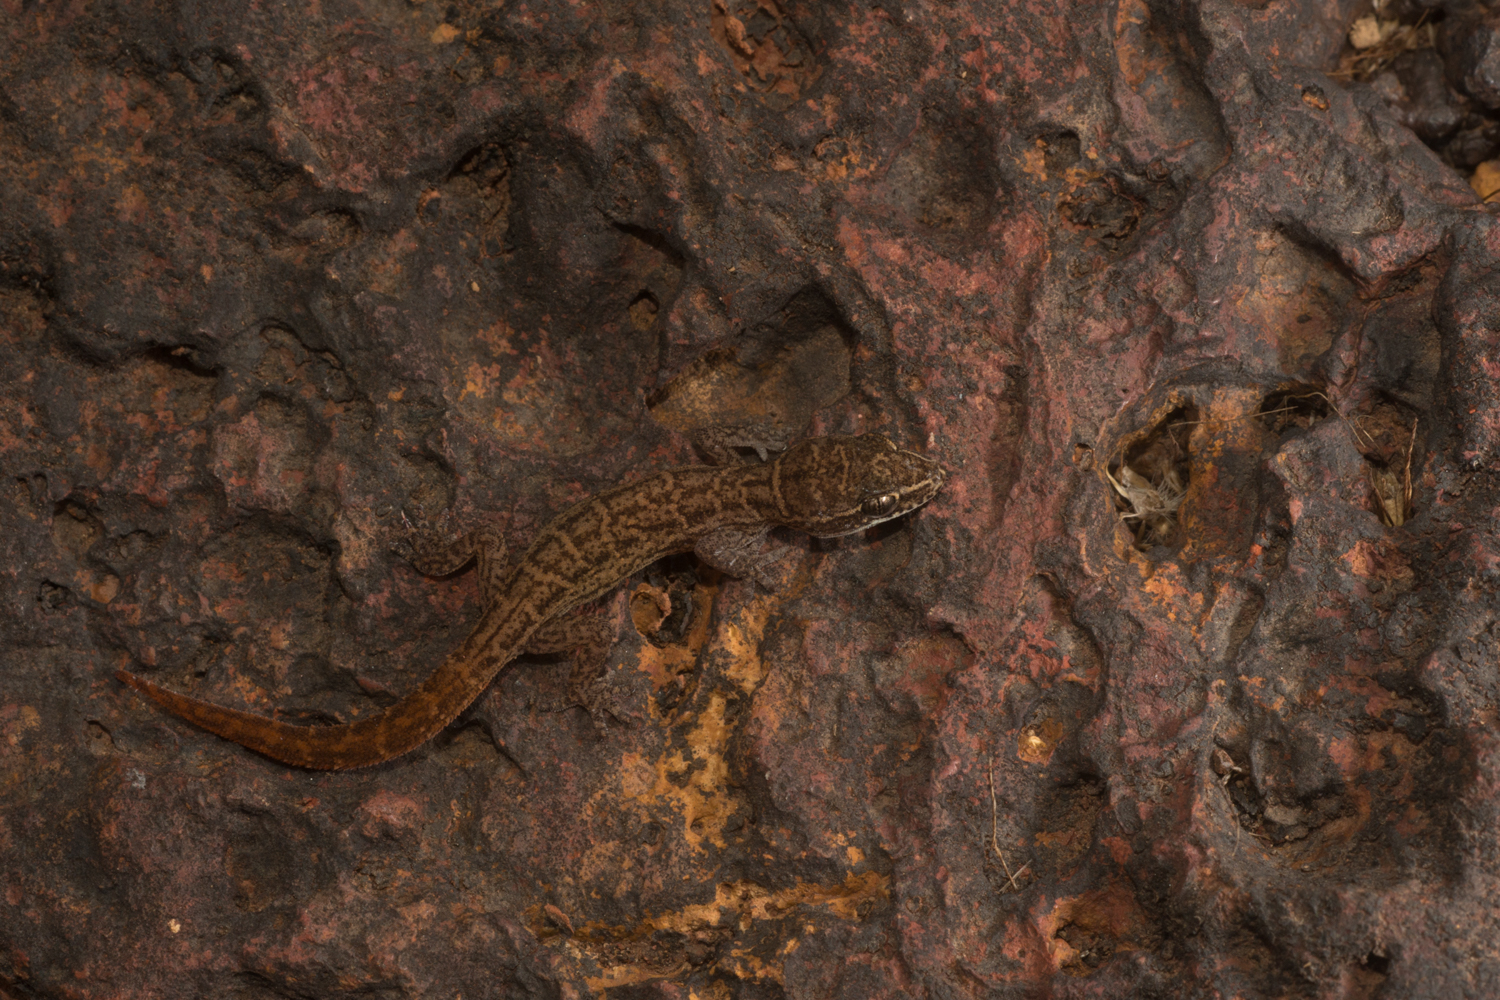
[(324, 748)]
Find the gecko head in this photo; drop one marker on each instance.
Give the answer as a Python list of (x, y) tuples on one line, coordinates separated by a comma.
[(831, 486)]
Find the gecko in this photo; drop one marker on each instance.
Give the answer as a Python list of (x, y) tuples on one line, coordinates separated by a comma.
[(823, 486)]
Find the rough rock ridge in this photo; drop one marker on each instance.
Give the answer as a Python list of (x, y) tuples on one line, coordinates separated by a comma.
[(1185, 687)]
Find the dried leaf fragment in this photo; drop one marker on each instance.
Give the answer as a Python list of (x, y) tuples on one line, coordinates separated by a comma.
[(1386, 485), (1486, 179), (1369, 31)]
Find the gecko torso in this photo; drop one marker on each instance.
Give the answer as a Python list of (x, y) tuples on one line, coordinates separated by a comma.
[(823, 486)]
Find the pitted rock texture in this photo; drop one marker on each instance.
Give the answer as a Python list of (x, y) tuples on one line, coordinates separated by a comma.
[(1184, 687)]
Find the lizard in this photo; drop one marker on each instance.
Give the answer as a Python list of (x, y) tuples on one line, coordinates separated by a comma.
[(823, 486)]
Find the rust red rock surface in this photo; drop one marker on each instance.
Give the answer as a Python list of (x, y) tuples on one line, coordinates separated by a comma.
[(277, 278)]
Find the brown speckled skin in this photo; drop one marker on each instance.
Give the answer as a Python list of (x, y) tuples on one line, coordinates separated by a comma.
[(273, 273), (819, 486)]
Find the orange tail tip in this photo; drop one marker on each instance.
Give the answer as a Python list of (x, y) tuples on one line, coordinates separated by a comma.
[(323, 748), (158, 694)]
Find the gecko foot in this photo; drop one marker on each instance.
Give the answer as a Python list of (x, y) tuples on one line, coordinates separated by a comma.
[(720, 443), (739, 553), (601, 699)]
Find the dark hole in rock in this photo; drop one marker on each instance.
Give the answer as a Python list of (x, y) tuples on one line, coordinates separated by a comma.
[(643, 310), (1151, 480), (1433, 64), (1092, 949), (1297, 406), (1060, 150), (1386, 434), (1102, 208), (52, 596), (480, 188), (1390, 492)]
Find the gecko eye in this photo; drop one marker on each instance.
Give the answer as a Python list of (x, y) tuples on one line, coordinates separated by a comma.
[(879, 506)]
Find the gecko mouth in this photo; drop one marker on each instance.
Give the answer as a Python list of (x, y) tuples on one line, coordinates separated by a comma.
[(929, 487)]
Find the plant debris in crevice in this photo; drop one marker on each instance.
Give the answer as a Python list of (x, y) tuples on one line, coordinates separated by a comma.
[(1385, 436), (1388, 444), (1151, 480), (1375, 43), (1391, 490), (1429, 63), (1293, 407), (1102, 207), (1269, 820)]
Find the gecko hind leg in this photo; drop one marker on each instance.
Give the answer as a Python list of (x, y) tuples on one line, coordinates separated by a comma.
[(488, 714), (588, 638), (485, 545)]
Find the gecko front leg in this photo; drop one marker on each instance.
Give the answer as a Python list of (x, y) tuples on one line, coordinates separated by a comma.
[(740, 553)]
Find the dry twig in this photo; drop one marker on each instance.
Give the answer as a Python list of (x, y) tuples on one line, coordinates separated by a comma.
[(1010, 878), (1393, 37), (1406, 479)]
